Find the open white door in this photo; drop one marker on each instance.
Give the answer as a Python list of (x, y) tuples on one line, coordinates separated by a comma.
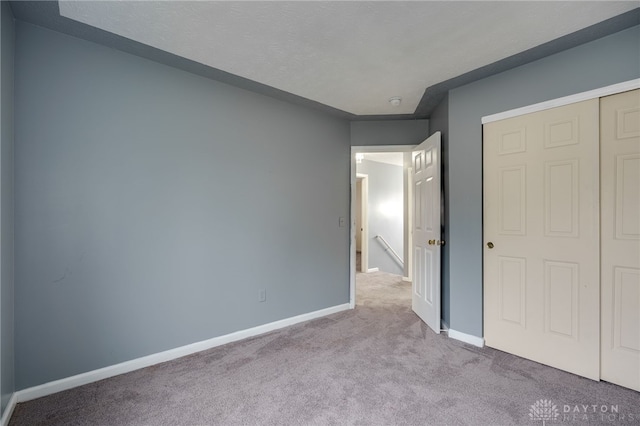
[(426, 231)]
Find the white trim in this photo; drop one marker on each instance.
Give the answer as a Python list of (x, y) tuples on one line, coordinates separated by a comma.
[(578, 97), (364, 221), (408, 202), (406, 279), (8, 410), (381, 148), (373, 270), (467, 338), (352, 232), (146, 361)]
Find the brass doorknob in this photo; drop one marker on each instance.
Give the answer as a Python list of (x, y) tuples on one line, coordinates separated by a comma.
[(432, 242), (490, 244)]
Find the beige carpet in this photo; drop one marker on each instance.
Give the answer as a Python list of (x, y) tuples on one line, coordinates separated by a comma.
[(375, 365)]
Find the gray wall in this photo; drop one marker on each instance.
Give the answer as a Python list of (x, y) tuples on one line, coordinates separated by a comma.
[(439, 122), (606, 61), (389, 132), (385, 183), (7, 384), (153, 204)]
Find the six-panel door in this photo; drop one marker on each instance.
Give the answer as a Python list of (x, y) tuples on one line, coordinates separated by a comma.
[(620, 222), (541, 231)]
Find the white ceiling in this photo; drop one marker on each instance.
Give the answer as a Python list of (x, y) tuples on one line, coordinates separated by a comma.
[(394, 158), (352, 56)]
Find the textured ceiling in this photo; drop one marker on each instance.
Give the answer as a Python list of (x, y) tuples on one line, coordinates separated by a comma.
[(352, 56)]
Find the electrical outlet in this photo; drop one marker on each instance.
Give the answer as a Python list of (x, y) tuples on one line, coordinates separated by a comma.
[(342, 222), (262, 295)]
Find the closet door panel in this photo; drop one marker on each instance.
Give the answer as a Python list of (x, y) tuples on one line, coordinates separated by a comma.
[(620, 251), (541, 230)]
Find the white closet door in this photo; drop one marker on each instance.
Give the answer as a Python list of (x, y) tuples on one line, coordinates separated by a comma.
[(541, 232), (620, 200)]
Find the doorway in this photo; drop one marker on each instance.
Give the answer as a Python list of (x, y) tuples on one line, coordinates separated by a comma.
[(380, 234)]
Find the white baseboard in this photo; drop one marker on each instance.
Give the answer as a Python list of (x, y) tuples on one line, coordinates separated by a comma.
[(8, 411), (406, 279), (467, 338), (149, 360), (373, 270)]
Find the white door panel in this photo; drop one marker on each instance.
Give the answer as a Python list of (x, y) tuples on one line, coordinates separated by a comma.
[(426, 231), (620, 199), (541, 218)]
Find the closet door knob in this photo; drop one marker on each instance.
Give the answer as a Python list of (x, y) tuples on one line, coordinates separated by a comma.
[(490, 244)]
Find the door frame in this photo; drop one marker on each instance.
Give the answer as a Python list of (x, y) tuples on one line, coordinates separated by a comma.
[(364, 221), (352, 208)]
